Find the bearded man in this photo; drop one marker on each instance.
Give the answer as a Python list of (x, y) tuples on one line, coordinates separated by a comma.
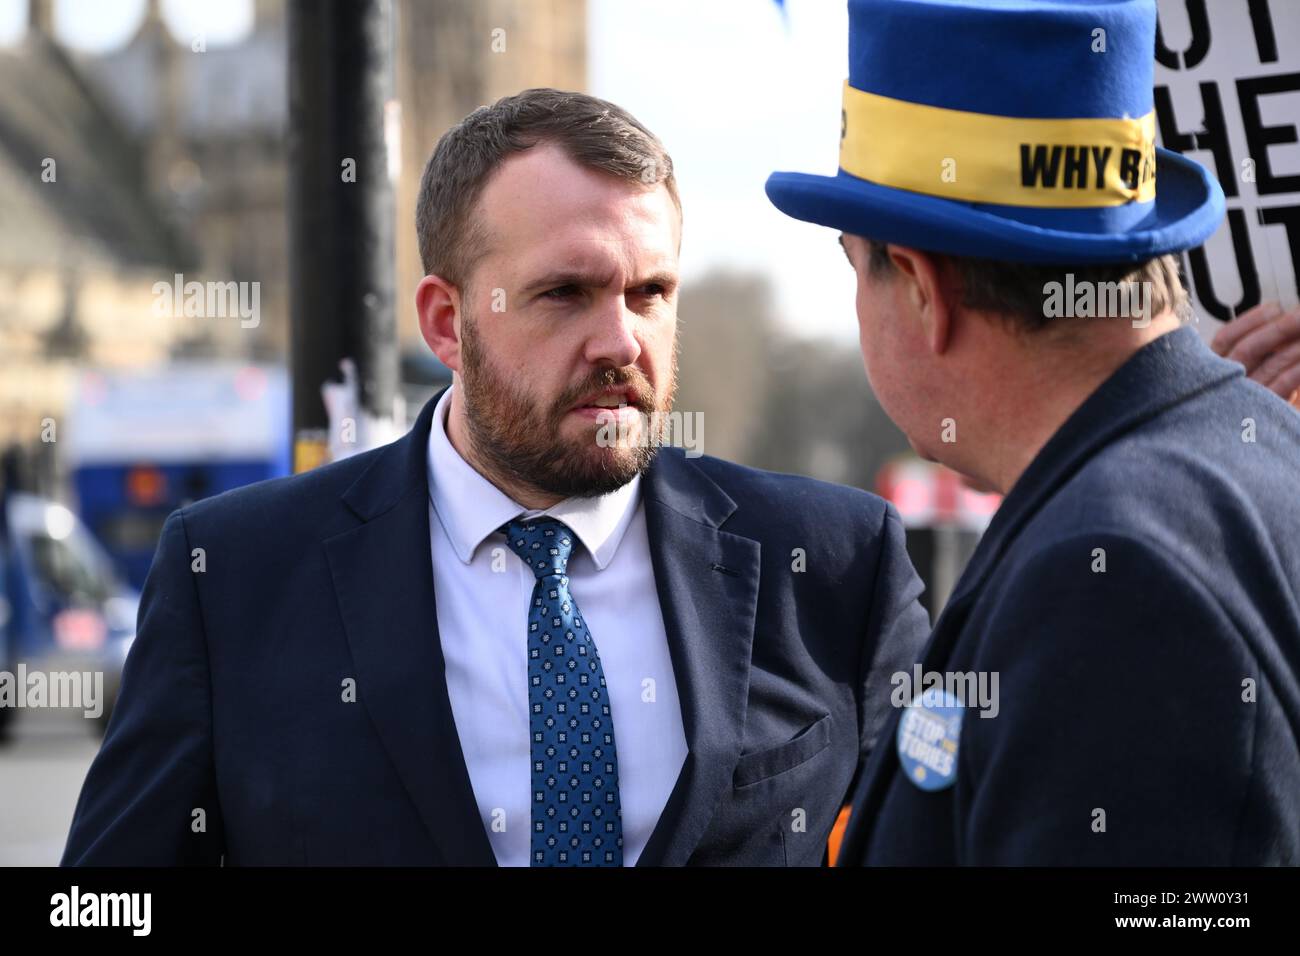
[(523, 634)]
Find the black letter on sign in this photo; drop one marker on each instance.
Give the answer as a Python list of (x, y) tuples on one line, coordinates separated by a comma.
[(1262, 21), (1195, 53), (1259, 138), (1245, 269), (1214, 136)]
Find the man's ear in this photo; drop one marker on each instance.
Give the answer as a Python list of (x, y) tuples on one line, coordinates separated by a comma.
[(930, 294), (438, 304)]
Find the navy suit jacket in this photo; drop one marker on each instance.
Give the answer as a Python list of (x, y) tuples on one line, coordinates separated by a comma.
[(1148, 713), (231, 699)]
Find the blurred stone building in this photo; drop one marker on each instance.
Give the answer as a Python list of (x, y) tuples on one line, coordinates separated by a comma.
[(168, 156), (123, 170)]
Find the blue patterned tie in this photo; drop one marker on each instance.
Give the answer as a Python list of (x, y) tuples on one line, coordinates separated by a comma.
[(577, 819)]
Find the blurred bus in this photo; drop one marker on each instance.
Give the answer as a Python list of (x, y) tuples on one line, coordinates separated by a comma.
[(141, 443)]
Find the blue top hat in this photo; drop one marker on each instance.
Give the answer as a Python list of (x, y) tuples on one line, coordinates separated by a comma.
[(1020, 130)]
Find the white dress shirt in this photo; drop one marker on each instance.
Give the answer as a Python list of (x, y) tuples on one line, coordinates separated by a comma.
[(483, 590)]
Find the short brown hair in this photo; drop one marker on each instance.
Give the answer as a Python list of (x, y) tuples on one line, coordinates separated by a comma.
[(1016, 289), (593, 132)]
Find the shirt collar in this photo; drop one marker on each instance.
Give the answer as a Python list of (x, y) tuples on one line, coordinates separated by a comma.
[(470, 508)]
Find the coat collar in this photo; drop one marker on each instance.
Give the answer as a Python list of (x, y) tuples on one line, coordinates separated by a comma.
[(707, 580), (1161, 374)]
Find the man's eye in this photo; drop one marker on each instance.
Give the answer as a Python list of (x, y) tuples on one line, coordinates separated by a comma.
[(561, 292), (652, 288)]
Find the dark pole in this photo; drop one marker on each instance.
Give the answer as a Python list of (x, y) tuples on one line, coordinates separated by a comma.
[(341, 256)]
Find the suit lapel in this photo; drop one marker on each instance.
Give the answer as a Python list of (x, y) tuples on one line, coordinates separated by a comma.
[(383, 579), (707, 581)]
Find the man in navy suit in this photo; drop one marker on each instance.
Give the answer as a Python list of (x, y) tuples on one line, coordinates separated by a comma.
[(516, 636), (1116, 677)]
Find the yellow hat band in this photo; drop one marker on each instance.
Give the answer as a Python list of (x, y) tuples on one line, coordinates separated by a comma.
[(978, 157)]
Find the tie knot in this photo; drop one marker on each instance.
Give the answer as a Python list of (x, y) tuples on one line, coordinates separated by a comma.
[(544, 544)]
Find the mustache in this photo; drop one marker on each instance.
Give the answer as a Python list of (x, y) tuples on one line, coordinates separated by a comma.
[(641, 396)]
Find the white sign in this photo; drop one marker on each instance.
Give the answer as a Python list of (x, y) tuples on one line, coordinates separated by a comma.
[(182, 411), (1227, 94)]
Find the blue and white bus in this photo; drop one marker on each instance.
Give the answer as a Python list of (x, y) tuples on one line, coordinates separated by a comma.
[(141, 443)]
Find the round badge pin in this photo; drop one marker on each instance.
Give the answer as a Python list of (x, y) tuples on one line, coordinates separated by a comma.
[(928, 735)]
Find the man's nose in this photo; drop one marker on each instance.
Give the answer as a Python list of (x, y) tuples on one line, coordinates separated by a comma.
[(613, 335)]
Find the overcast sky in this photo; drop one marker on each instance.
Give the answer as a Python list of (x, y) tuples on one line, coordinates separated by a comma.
[(736, 89)]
